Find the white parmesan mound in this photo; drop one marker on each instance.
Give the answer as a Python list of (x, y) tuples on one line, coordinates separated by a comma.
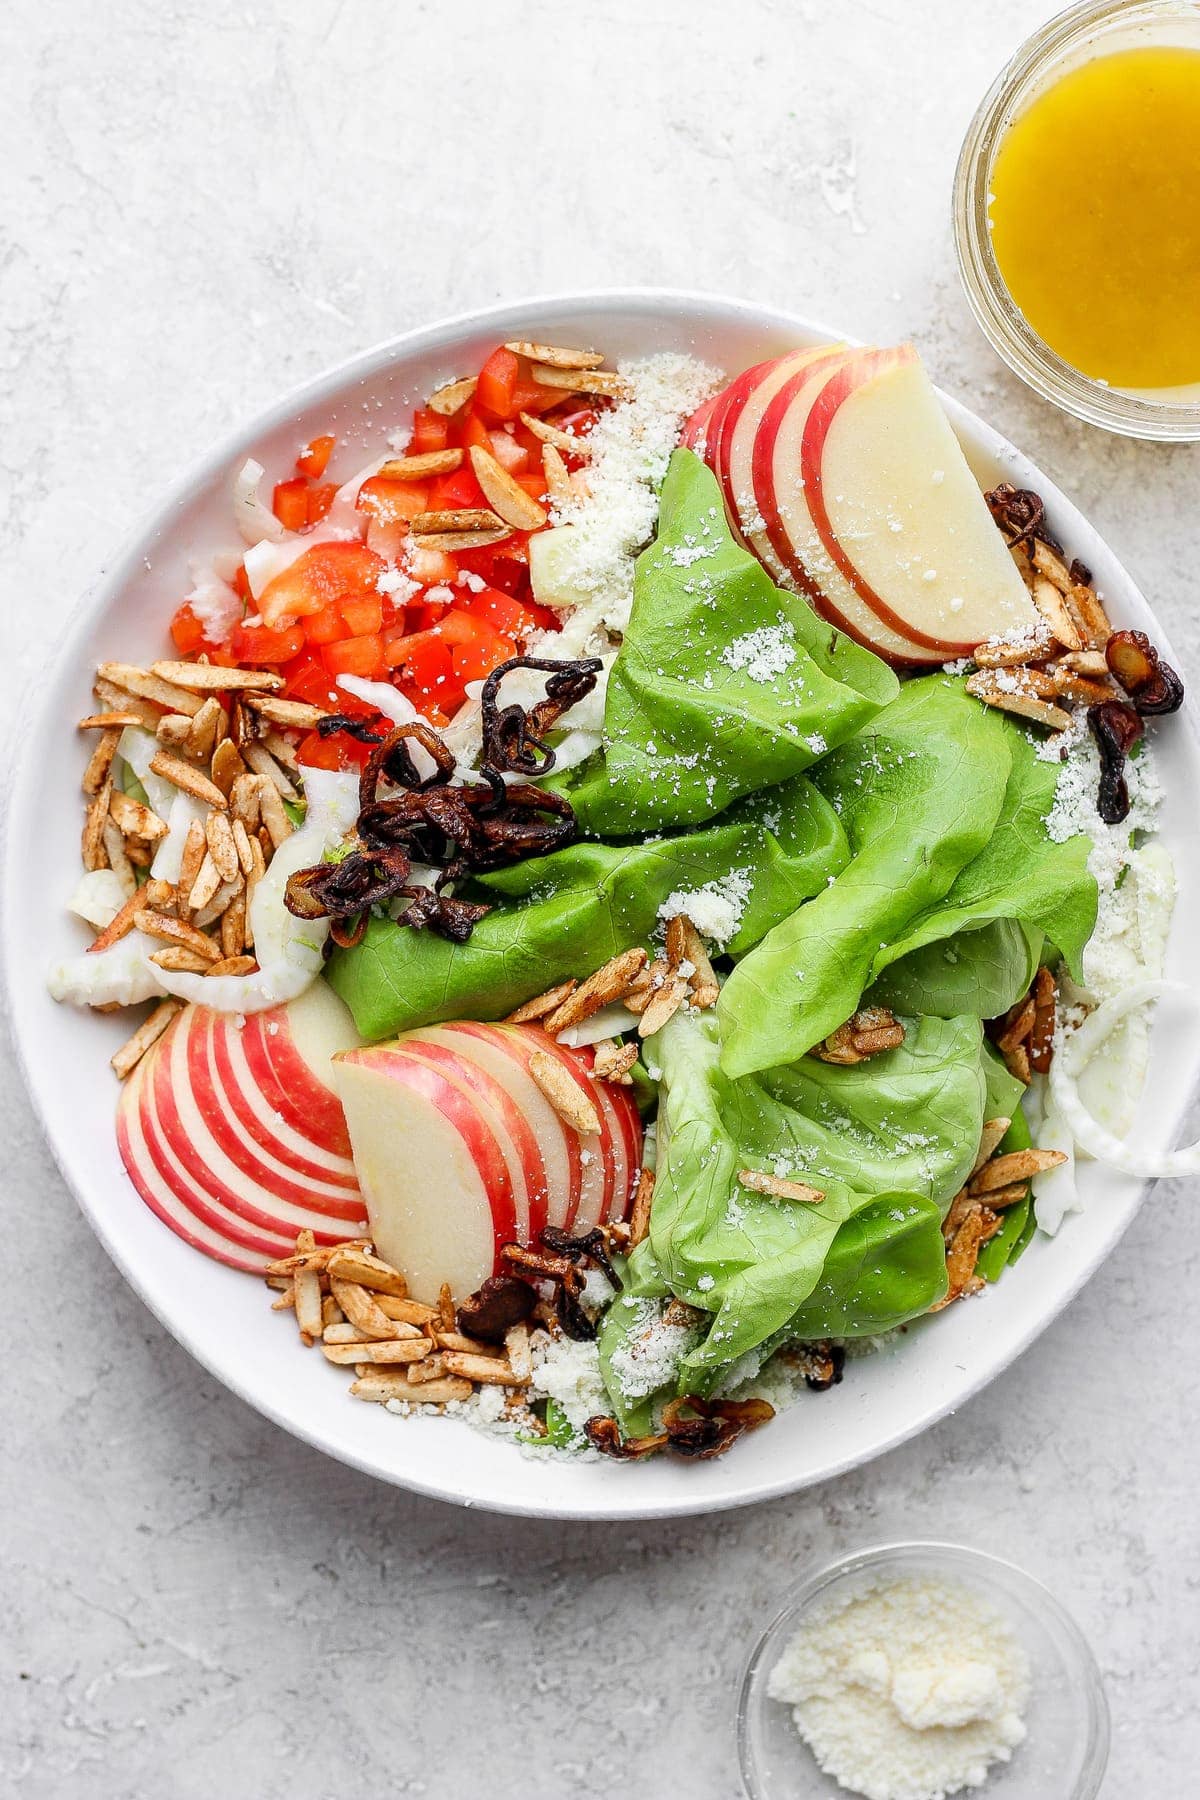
[(762, 654), (569, 1372), (715, 909), (649, 1357), (906, 1690), (631, 444)]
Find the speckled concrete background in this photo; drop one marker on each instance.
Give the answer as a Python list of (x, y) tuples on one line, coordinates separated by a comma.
[(202, 204)]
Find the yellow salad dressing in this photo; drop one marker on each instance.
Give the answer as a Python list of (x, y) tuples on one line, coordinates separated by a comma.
[(1095, 216)]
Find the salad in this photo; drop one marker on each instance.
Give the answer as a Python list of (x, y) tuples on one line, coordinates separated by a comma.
[(644, 888)]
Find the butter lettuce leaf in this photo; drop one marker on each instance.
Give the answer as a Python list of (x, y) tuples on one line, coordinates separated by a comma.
[(981, 971), (724, 682), (565, 914)]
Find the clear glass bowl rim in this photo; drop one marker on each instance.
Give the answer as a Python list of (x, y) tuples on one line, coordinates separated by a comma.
[(995, 312), (992, 1570)]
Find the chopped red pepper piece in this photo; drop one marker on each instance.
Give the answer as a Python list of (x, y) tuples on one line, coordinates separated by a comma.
[(318, 576), (356, 656), (187, 633), (314, 458), (257, 644), (320, 499), (290, 503), (387, 499), (430, 432), (497, 384)]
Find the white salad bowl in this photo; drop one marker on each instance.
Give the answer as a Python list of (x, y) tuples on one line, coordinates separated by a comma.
[(224, 1318)]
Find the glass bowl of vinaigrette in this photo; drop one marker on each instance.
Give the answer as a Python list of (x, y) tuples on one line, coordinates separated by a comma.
[(1077, 215)]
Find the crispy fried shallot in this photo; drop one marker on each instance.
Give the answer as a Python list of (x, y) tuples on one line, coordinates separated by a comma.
[(1116, 729), (513, 738)]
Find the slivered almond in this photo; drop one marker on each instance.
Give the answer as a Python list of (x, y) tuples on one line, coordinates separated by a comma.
[(360, 1308), (1095, 627), (218, 833), (207, 678), (282, 749), (293, 715), (582, 381), (705, 988), (451, 396), (516, 1344), (961, 1258), (1001, 653), (407, 1312), (608, 983), (1016, 1061), (120, 925), (118, 858), (227, 764), (233, 965), (244, 798), (331, 1312), (1018, 1023), (544, 1004), (192, 858), (419, 468), (233, 927), (100, 763), (184, 962), (287, 1294), (459, 1340), (1024, 706), (367, 1271), (205, 729), (1015, 681), (550, 434), (1053, 608), (259, 758), (662, 1006), (151, 686), (309, 1314), (1085, 662), (446, 1312), (340, 1331), (381, 1388), (252, 881), (134, 819), (395, 1350), (1049, 563), (487, 1370), (174, 731), (960, 1206), (241, 841), (757, 1181), (461, 518), (454, 541), (990, 1138), (564, 1094), (1082, 689), (91, 847), (558, 480), (1017, 1165), (207, 881), (176, 931), (109, 721), (556, 356), (639, 1217), (148, 1032), (279, 826), (1000, 1198), (117, 699), (1045, 1012), (430, 1368), (613, 1061), (182, 775)]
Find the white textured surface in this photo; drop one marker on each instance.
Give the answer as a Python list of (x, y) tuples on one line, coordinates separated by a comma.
[(201, 205)]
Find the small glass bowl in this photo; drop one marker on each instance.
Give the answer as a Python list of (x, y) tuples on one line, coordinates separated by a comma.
[(1096, 27), (1066, 1750)]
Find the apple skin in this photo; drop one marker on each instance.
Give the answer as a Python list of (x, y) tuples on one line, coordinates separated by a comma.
[(731, 461)]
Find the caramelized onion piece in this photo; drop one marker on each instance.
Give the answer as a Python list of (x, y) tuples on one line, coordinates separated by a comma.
[(513, 738), (1116, 729), (1151, 684), (604, 1434), (502, 1301), (1020, 514)]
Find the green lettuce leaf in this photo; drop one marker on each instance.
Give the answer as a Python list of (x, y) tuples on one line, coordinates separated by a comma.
[(724, 683), (563, 914), (982, 971)]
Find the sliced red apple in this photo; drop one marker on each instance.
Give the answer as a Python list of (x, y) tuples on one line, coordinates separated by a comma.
[(437, 1186), (787, 525), (732, 455), (290, 1051), (695, 432), (250, 1114), (898, 511)]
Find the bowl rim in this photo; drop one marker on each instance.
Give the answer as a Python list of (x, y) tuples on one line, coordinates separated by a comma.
[(671, 306), (1126, 414), (822, 1578)]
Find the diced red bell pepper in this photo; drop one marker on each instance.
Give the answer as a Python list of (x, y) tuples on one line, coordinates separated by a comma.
[(241, 584), (290, 503), (356, 656), (432, 568), (326, 626), (307, 678), (362, 614), (318, 576), (320, 499), (430, 432), (473, 433), (314, 458), (385, 498), (422, 657), (513, 618), (259, 644), (497, 384), (187, 633), (474, 661), (458, 489)]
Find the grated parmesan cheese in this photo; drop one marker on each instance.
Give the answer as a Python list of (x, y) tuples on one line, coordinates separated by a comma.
[(909, 1690), (715, 909), (763, 654)]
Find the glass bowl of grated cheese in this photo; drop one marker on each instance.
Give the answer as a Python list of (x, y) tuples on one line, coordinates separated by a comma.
[(917, 1671)]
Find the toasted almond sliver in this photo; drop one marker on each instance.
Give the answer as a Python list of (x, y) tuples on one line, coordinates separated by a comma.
[(1045, 1014), (120, 925), (543, 1005), (227, 765), (882, 1037), (1000, 1198), (394, 1350), (1016, 1061), (205, 729), (453, 541), (361, 1309), (100, 763), (185, 962), (1001, 653), (233, 965), (222, 848), (516, 1344), (639, 1217), (962, 1256), (134, 819), (263, 763), (367, 1271), (556, 356), (1038, 712), (1053, 608), (446, 1308), (990, 1138), (278, 825), (582, 381), (613, 1061), (287, 1295), (341, 1331), (204, 888), (92, 848), (233, 927), (331, 1312), (117, 699), (307, 1287), (174, 731), (451, 396), (609, 982), (460, 1340), (1017, 1165), (406, 1312), (1018, 1024), (1049, 563), (504, 492), (757, 1181), (207, 678), (487, 1370), (565, 1095), (109, 721), (1081, 689), (550, 434), (244, 801), (960, 1206), (558, 480), (662, 1006), (462, 518), (252, 881), (192, 858), (1095, 626), (293, 715), (1085, 662), (118, 859), (150, 685), (241, 841), (1013, 681), (381, 1387), (148, 1032), (430, 1368), (419, 468), (176, 931), (182, 775)]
